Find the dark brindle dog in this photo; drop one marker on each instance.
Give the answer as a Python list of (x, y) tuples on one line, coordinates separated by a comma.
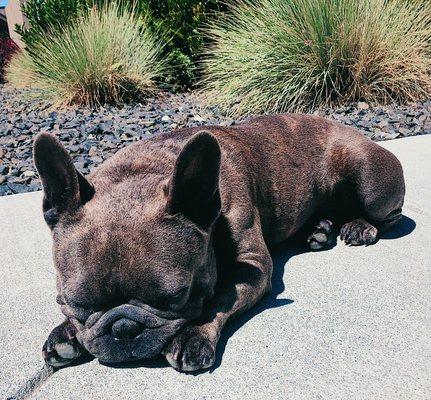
[(168, 239)]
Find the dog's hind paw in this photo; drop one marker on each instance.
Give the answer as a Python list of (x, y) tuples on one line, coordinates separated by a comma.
[(323, 235), (61, 348), (358, 232)]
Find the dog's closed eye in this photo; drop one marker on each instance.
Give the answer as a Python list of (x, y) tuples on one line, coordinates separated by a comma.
[(173, 301)]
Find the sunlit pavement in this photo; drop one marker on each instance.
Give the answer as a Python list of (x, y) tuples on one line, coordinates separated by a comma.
[(347, 323)]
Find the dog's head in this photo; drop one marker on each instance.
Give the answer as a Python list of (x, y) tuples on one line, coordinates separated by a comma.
[(132, 269)]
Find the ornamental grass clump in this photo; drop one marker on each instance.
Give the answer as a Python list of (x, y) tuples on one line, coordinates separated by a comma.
[(106, 55), (20, 71), (298, 55)]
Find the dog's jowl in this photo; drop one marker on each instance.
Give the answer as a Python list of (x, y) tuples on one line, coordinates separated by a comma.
[(157, 248)]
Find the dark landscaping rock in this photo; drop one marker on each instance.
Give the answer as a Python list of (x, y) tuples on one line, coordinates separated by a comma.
[(17, 187), (384, 122), (92, 136)]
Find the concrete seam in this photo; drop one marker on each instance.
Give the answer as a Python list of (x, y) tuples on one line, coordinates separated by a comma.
[(28, 387)]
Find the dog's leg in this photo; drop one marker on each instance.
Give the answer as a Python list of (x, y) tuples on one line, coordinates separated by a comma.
[(194, 348), (377, 180), (244, 283), (61, 348)]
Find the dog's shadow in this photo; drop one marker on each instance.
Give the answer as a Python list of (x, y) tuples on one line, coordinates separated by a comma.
[(403, 228), (280, 257), (281, 254)]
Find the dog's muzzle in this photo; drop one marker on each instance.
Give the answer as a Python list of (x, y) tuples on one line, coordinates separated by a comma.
[(128, 332)]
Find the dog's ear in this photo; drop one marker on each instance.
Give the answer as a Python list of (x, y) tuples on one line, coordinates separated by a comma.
[(194, 186), (65, 189)]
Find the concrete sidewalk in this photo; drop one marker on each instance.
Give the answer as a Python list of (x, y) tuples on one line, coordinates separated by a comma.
[(344, 323)]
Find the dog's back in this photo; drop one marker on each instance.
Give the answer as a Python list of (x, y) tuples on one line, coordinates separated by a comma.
[(282, 167)]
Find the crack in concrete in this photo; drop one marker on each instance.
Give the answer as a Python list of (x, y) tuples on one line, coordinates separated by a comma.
[(28, 387)]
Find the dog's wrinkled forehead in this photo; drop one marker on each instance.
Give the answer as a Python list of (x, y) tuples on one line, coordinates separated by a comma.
[(115, 256)]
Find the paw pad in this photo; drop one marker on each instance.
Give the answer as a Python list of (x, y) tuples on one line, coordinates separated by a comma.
[(61, 348), (322, 236)]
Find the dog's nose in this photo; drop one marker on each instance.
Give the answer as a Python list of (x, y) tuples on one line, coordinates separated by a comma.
[(126, 329)]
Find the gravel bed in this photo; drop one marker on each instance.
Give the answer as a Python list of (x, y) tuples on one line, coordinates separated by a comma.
[(92, 136)]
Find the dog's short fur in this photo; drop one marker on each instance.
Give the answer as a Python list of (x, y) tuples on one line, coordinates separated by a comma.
[(162, 244)]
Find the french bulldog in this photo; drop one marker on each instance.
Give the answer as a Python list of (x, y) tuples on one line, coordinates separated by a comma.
[(168, 239)]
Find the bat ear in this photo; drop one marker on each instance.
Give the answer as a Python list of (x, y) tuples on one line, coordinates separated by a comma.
[(65, 189), (194, 186)]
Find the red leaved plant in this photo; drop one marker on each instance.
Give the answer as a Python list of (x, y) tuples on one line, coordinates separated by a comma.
[(7, 49)]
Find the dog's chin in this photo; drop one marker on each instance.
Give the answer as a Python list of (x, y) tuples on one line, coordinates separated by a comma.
[(97, 334)]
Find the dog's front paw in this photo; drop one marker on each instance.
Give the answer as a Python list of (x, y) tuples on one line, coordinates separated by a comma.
[(61, 348), (193, 349)]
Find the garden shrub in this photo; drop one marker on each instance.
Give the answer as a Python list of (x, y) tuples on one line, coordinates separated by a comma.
[(106, 55), (175, 22), (7, 49), (179, 24), (297, 55)]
